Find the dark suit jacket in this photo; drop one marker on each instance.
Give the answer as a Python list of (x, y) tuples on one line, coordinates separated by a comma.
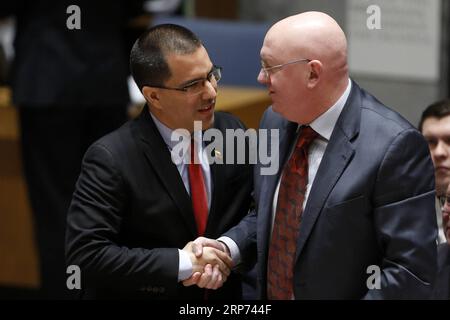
[(130, 212), (441, 289), (57, 66), (371, 203)]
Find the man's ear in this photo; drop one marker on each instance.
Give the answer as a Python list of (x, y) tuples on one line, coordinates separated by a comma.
[(152, 96), (315, 72)]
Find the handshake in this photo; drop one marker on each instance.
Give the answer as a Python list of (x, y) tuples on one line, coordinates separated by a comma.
[(211, 263)]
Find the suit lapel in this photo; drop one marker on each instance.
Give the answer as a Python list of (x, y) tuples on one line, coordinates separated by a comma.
[(333, 163), (338, 154), (159, 158)]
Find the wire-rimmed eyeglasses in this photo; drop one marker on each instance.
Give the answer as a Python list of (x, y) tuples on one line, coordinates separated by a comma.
[(267, 70), (198, 86), (443, 200)]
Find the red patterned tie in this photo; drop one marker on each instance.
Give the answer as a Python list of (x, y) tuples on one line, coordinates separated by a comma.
[(280, 271), (198, 191)]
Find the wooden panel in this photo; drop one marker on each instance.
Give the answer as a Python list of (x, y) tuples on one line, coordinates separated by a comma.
[(9, 129), (217, 9), (248, 104), (19, 264)]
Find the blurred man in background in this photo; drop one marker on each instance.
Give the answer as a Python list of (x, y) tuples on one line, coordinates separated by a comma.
[(442, 282), (70, 87), (435, 126)]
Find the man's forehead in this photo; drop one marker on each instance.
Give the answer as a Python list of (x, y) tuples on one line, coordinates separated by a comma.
[(434, 124), (187, 65), (272, 50)]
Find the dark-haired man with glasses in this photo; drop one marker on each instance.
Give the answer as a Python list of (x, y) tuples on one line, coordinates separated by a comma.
[(135, 211)]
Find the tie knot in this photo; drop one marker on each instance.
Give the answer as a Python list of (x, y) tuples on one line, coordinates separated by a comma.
[(307, 135), (195, 150)]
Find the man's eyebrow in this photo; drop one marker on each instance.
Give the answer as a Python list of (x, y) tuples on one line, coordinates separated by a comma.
[(436, 136), (188, 82)]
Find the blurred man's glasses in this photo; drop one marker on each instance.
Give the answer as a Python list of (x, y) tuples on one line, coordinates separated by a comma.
[(444, 200), (198, 86), (268, 70)]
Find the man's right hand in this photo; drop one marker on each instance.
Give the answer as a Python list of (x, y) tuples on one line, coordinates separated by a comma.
[(211, 267), (200, 242)]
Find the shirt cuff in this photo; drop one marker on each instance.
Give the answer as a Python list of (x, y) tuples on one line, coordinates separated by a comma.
[(234, 249), (184, 266)]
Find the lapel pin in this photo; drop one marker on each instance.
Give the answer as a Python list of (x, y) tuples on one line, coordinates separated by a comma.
[(218, 154)]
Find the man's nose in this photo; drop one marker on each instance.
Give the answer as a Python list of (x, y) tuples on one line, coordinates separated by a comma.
[(210, 91), (441, 149), (262, 77)]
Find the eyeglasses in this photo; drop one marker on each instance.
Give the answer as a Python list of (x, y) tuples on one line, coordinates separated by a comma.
[(198, 86), (444, 200), (270, 69)]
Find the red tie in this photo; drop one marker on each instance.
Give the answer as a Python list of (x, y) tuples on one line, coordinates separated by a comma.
[(198, 191), (283, 244)]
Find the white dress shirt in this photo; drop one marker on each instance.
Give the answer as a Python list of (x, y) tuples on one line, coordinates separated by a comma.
[(185, 264)]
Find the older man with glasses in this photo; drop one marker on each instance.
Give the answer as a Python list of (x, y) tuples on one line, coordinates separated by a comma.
[(350, 213), (135, 211)]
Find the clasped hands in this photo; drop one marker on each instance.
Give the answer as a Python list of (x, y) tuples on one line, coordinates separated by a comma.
[(211, 263)]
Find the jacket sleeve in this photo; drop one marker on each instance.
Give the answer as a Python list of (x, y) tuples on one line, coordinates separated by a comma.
[(94, 224), (244, 235)]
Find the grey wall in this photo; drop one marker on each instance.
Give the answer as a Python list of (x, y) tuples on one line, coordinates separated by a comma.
[(409, 98)]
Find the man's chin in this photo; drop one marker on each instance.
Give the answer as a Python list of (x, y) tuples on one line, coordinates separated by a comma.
[(206, 124), (441, 187)]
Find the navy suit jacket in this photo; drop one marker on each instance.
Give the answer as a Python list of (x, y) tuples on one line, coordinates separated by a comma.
[(371, 203), (441, 289)]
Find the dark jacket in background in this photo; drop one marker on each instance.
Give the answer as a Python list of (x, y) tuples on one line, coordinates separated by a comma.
[(442, 283), (58, 66)]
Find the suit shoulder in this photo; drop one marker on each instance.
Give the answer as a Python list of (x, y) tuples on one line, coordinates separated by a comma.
[(375, 111), (117, 141), (272, 120)]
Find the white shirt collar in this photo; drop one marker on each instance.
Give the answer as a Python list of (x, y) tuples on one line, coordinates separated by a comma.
[(325, 123), (166, 134)]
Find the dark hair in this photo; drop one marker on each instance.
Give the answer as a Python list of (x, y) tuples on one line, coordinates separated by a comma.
[(439, 109), (147, 58)]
